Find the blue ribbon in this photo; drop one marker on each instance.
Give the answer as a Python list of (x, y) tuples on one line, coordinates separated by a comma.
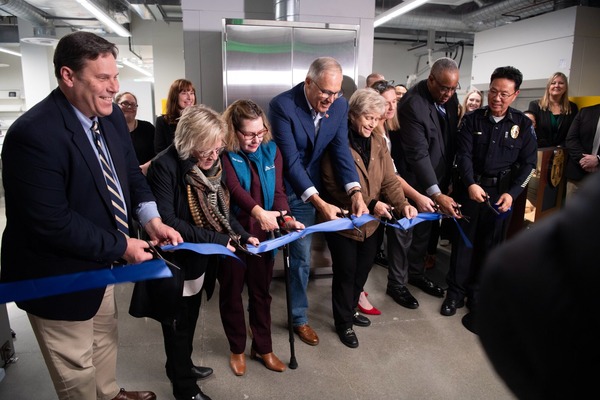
[(153, 269), (53, 285)]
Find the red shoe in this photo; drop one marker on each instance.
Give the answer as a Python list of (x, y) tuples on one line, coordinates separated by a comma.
[(372, 311)]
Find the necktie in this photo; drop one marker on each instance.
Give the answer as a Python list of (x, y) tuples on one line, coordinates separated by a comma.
[(111, 183)]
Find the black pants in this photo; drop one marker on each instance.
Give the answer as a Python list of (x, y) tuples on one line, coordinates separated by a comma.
[(485, 230), (418, 249), (178, 340), (351, 263)]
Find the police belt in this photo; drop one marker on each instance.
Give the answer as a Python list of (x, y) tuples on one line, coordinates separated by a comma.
[(486, 180)]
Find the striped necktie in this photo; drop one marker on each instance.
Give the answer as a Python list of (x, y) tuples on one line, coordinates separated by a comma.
[(111, 183)]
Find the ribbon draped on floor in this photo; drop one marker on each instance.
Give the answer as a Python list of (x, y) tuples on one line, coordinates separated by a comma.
[(154, 269)]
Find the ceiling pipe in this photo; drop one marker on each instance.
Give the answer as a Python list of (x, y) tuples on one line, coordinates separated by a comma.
[(21, 9), (286, 10)]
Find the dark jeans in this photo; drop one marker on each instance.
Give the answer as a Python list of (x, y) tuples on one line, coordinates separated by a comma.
[(351, 262), (178, 340)]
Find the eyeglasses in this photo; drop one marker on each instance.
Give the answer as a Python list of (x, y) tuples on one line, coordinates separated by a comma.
[(126, 104), (251, 135), (325, 94), (205, 154), (446, 89), (503, 95)]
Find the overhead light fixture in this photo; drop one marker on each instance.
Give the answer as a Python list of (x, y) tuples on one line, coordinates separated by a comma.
[(106, 19), (7, 51), (137, 68), (403, 8)]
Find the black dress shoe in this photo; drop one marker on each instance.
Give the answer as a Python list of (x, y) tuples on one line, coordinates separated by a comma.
[(348, 337), (449, 306), (402, 296), (426, 285), (381, 259), (199, 396), (469, 321), (201, 372), (360, 320)]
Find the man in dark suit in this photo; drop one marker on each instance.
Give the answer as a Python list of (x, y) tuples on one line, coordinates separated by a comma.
[(61, 218), (423, 152), (538, 317), (307, 120), (583, 157)]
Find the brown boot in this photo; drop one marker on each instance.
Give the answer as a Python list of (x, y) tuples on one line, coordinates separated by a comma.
[(237, 362), (270, 360)]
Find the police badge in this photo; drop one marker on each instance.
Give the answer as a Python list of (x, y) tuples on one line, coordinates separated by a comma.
[(514, 131)]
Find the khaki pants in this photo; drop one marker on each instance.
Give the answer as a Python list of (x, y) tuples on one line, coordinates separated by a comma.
[(81, 356)]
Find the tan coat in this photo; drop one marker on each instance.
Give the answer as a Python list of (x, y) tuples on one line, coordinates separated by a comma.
[(379, 182)]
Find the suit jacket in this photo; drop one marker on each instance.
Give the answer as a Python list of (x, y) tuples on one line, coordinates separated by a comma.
[(59, 217), (424, 148), (302, 150), (538, 307), (580, 140)]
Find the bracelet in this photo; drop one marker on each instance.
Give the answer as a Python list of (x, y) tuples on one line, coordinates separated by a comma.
[(353, 192)]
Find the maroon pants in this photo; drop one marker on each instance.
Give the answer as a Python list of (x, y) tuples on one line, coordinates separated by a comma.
[(257, 276)]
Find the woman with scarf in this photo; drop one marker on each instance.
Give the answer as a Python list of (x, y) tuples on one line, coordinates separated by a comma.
[(187, 181), (353, 251), (254, 176)]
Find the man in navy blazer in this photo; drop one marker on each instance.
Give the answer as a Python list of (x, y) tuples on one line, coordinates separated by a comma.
[(423, 151), (60, 219), (582, 159), (307, 120)]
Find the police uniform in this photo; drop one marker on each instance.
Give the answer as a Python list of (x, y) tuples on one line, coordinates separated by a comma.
[(501, 158)]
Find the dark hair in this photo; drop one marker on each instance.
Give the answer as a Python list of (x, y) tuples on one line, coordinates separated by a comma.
[(173, 111), (74, 49), (510, 73), (382, 86)]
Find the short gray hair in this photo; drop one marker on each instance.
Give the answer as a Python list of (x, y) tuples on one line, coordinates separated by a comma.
[(443, 64), (199, 127), (321, 65), (365, 101)]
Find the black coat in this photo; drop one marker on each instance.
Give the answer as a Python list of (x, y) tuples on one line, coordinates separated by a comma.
[(59, 217), (580, 140)]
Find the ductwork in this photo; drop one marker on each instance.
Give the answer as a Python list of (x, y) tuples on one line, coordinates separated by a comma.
[(286, 10), (485, 18), (21, 9)]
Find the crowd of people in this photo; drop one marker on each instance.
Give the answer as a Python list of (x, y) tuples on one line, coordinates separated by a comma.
[(95, 197)]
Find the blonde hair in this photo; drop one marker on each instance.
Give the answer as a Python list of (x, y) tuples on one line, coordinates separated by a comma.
[(565, 104), (463, 108), (199, 127), (235, 115)]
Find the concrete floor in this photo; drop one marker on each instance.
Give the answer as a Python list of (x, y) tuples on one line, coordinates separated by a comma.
[(404, 354)]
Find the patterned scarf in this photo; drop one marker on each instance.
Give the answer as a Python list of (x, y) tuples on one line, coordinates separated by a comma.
[(208, 201)]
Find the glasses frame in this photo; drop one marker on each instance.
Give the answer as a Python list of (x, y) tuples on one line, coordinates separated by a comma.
[(325, 94), (126, 104), (503, 96), (446, 89), (251, 135), (203, 155)]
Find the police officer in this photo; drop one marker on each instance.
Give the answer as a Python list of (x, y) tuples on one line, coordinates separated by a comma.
[(496, 157)]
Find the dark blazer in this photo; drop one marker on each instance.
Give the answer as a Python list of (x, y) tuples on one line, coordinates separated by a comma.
[(539, 300), (164, 134), (59, 217), (543, 128), (580, 140), (294, 133), (424, 147)]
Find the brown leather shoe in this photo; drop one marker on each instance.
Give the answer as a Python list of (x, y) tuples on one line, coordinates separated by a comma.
[(124, 395), (307, 334), (237, 362), (270, 359)]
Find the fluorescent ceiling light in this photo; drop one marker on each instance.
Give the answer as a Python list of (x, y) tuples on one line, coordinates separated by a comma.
[(137, 68), (106, 19), (7, 51), (400, 9)]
